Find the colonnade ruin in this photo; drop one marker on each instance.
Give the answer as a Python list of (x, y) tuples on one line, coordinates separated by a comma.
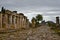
[(13, 20)]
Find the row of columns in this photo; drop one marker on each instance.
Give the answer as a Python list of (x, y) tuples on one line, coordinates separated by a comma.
[(11, 21)]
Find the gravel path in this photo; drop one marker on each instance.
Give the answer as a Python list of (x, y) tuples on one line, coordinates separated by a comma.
[(39, 33)]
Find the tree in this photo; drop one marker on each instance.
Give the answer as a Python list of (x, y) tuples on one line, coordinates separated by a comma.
[(39, 18)]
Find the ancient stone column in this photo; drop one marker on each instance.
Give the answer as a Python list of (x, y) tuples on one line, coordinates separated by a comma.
[(24, 24), (0, 20), (13, 22), (21, 19), (9, 20), (17, 21), (14, 19), (5, 20), (57, 20)]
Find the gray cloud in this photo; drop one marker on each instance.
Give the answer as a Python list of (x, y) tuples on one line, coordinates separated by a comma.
[(45, 7)]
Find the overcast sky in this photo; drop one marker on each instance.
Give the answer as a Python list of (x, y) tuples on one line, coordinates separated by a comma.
[(48, 8)]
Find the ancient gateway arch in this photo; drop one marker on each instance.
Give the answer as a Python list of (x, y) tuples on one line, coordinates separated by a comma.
[(13, 20)]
